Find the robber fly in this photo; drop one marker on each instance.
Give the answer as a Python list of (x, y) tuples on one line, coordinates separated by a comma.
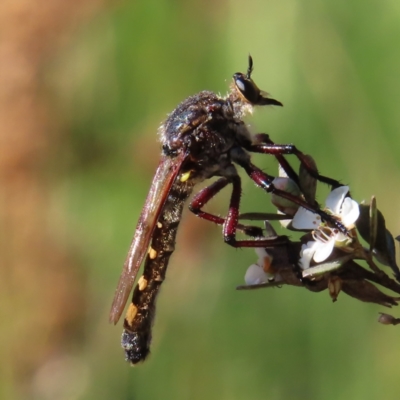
[(204, 137)]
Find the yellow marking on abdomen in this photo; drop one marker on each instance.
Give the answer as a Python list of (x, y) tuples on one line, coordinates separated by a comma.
[(131, 314), (142, 283), (152, 253), (185, 176)]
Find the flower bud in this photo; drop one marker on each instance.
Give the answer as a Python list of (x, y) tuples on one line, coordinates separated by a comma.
[(289, 186), (334, 286), (387, 319)]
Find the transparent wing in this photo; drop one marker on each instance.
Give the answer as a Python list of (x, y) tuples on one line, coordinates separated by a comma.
[(165, 175)]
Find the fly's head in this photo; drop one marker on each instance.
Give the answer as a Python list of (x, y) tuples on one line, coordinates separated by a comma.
[(245, 94)]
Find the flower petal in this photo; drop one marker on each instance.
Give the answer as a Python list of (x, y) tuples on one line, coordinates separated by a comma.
[(255, 275), (304, 219), (306, 254), (261, 253), (350, 212), (335, 199), (323, 250)]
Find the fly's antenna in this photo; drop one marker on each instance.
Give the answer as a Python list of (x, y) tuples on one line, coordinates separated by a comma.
[(250, 68)]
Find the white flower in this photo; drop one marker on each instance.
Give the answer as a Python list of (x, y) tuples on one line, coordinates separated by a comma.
[(261, 272), (326, 238), (342, 207), (316, 250), (255, 275), (345, 208)]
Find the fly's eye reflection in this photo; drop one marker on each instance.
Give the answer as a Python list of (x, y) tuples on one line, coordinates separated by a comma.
[(246, 87)]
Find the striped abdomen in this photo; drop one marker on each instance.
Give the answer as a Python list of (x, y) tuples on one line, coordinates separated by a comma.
[(136, 336)]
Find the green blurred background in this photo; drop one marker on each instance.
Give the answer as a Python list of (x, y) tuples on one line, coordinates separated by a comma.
[(84, 87)]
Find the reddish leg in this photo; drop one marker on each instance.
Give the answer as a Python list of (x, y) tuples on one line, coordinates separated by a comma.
[(230, 223), (267, 146), (264, 181), (263, 138)]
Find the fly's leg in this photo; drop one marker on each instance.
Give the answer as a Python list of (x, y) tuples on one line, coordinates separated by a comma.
[(267, 146), (230, 223), (262, 139), (264, 181), (205, 195)]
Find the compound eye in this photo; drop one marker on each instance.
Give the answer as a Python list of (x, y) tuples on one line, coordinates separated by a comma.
[(247, 88)]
